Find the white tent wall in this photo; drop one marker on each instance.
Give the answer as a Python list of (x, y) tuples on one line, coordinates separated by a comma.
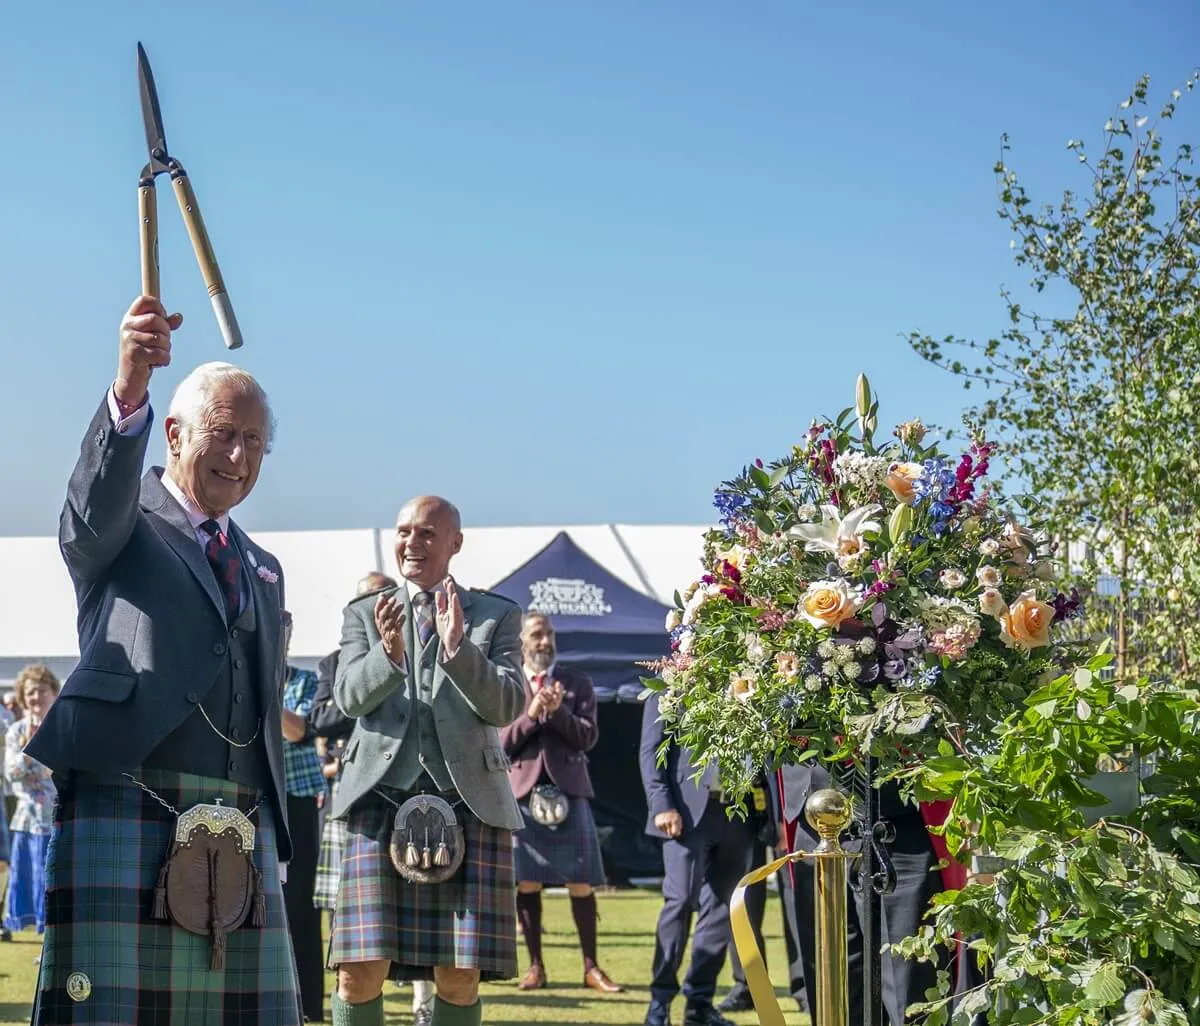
[(37, 603)]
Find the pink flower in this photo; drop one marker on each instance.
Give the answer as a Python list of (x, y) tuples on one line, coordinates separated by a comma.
[(267, 574)]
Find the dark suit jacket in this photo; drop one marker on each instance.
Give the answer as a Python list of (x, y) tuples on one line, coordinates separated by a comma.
[(669, 786), (152, 627), (559, 744), (325, 719)]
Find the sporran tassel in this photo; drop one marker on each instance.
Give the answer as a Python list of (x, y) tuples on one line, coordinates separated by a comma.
[(160, 895), (258, 913), (426, 858), (411, 858), (441, 857)]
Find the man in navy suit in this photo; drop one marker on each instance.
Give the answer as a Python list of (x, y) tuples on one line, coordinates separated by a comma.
[(175, 703), (705, 853)]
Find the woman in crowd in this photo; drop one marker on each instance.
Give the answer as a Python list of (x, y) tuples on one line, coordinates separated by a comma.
[(36, 688)]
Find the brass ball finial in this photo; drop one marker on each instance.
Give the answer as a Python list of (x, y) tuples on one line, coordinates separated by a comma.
[(828, 813)]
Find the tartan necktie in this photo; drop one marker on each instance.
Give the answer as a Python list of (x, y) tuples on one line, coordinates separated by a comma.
[(226, 567), (422, 604)]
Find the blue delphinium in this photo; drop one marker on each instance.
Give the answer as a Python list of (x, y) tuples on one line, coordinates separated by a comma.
[(936, 482), (729, 505)]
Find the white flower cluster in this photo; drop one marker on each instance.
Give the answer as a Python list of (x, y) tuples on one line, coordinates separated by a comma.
[(856, 468), (937, 612)]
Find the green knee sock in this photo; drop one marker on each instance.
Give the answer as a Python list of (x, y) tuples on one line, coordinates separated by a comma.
[(446, 1014), (369, 1013)]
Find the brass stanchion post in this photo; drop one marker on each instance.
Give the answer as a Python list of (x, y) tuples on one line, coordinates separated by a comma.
[(828, 813)]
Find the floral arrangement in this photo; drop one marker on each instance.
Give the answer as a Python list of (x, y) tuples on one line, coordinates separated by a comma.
[(857, 596)]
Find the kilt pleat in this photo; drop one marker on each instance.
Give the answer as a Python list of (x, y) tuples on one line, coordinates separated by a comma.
[(468, 922), (107, 846), (555, 856), (329, 863)]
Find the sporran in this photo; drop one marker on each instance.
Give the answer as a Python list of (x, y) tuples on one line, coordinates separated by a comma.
[(209, 883), (428, 842), (548, 805)]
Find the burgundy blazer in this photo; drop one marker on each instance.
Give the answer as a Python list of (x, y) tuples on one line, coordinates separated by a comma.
[(558, 744)]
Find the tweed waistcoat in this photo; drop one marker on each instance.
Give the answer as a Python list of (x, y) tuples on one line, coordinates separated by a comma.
[(421, 750)]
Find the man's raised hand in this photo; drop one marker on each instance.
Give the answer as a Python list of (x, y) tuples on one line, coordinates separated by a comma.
[(145, 344), (450, 621), (389, 621)]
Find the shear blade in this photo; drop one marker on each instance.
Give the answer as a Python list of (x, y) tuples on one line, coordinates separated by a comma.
[(156, 136)]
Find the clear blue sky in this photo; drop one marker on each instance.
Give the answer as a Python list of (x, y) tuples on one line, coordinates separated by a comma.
[(563, 262)]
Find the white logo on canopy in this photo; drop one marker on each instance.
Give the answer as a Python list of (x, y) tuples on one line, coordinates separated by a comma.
[(560, 596)]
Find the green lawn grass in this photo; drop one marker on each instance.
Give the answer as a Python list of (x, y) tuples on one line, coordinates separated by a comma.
[(626, 948)]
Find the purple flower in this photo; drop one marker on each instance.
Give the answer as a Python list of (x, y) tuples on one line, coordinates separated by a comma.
[(1066, 607)]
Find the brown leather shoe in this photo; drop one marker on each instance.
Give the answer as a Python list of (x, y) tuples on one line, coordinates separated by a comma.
[(598, 979), (534, 978)]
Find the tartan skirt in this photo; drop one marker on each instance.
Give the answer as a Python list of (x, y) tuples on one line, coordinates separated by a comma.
[(468, 922), (329, 863), (567, 853), (105, 962)]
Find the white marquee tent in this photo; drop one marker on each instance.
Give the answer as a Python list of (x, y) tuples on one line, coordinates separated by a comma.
[(37, 605)]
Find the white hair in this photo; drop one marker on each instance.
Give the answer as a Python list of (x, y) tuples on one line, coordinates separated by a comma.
[(195, 391)]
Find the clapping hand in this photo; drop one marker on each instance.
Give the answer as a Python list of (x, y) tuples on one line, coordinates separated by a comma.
[(545, 702), (554, 698), (449, 618), (389, 621)]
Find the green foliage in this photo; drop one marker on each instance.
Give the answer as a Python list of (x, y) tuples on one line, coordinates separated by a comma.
[(1097, 396), (1085, 923)]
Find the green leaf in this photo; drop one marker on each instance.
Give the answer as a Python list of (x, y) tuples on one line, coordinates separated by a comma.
[(1106, 987)]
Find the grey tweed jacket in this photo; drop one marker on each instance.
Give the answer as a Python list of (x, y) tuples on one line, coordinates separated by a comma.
[(478, 691)]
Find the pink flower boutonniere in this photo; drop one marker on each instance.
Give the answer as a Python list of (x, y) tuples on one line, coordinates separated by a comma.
[(267, 574)]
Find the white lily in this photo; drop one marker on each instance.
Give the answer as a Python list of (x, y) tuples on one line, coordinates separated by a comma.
[(841, 535)]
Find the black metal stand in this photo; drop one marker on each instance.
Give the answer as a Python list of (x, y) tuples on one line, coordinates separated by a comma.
[(876, 877)]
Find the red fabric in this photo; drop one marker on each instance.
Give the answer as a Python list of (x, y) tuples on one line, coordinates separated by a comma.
[(954, 873)]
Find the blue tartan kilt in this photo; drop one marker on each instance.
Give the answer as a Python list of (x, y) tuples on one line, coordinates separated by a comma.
[(107, 846), (555, 856), (468, 922)]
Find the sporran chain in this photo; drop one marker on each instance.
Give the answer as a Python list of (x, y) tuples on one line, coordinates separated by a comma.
[(171, 808)]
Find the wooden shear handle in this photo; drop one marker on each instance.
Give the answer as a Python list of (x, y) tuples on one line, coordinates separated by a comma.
[(202, 245), (148, 214)]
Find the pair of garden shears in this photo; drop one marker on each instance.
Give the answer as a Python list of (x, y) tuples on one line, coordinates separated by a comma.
[(162, 162)]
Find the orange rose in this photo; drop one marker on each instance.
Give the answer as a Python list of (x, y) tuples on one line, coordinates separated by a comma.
[(900, 478), (828, 603), (1026, 623)]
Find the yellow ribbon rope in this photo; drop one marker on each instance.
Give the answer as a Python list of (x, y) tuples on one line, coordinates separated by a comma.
[(766, 1006)]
